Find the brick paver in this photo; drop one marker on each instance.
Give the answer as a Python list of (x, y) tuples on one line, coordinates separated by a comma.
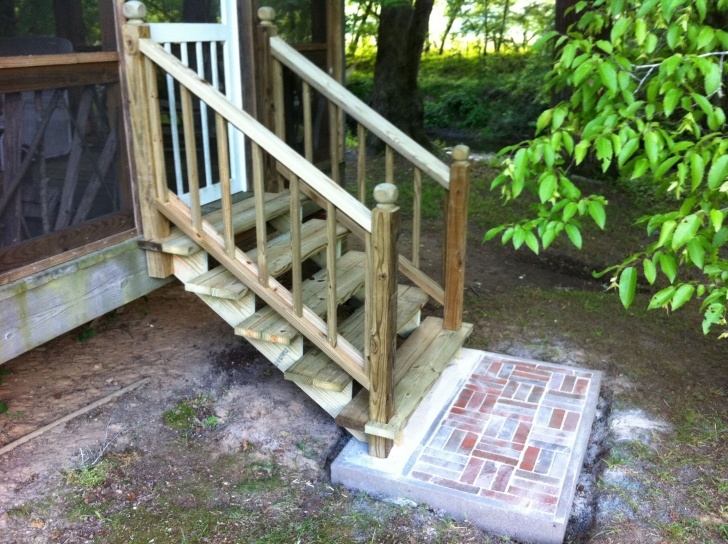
[(508, 436)]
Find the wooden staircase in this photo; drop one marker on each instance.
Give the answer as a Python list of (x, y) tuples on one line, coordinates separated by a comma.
[(425, 347), (347, 334)]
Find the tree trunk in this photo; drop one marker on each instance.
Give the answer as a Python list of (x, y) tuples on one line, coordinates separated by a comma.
[(563, 19), (402, 32)]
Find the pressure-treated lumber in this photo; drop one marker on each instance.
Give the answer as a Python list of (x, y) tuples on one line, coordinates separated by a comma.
[(419, 362), (266, 324), (375, 123), (243, 216), (218, 282), (317, 370)]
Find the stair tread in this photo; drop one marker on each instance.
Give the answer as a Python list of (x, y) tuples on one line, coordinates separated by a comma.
[(218, 282), (313, 239), (317, 370), (418, 363), (267, 324), (178, 243)]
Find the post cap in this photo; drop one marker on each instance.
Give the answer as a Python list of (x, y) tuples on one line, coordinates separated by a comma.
[(386, 195), (266, 14), (134, 11), (461, 153)]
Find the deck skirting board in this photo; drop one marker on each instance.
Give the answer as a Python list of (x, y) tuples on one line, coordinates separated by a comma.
[(42, 306)]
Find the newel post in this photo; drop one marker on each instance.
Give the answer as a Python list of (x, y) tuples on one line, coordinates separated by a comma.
[(270, 88), (456, 233), (383, 313), (141, 91)]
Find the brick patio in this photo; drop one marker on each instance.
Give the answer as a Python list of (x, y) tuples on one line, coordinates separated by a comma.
[(503, 451)]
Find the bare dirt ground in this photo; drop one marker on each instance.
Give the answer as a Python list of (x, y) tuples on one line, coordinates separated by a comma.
[(250, 463)]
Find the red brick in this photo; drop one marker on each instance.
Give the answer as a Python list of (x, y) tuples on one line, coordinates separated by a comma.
[(536, 395), (472, 470), (469, 442), (502, 478), (529, 458), (511, 402), (463, 398), (475, 401), (509, 390), (582, 384), (529, 376), (557, 418), (445, 482), (522, 433), (572, 421), (495, 457)]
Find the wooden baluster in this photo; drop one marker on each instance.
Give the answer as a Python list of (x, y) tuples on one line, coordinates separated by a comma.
[(389, 165), (417, 218), (261, 226), (333, 143), (361, 163), (296, 245), (188, 126), (383, 302), (331, 300), (279, 112), (154, 224), (307, 123), (207, 161), (265, 87), (223, 161), (456, 231)]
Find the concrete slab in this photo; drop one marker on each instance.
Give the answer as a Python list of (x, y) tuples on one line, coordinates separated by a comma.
[(498, 441)]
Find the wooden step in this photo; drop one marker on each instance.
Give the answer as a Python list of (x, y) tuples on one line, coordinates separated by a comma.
[(317, 370), (266, 324), (278, 253), (418, 363), (177, 243), (218, 282)]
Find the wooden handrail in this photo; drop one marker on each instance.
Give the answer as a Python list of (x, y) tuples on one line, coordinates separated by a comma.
[(266, 139), (375, 123)]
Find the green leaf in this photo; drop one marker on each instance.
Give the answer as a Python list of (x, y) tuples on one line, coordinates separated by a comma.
[(619, 29), (716, 219), (574, 235), (685, 231), (650, 270), (673, 36), (492, 233), (705, 37), (543, 120), (672, 99), (532, 241), (608, 75), (507, 235), (697, 170), (640, 30), (668, 227), (548, 237), (640, 168), (714, 314), (713, 79), (580, 151), (596, 210), (647, 8), (652, 148), (668, 264), (668, 8), (682, 295), (558, 117), (568, 142), (519, 237), (661, 298), (718, 172), (627, 285), (703, 103), (569, 211), (665, 166), (696, 252), (546, 187)]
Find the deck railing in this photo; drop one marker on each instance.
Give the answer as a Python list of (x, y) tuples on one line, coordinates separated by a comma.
[(146, 60), (454, 180)]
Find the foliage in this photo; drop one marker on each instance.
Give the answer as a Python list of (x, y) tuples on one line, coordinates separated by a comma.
[(645, 78)]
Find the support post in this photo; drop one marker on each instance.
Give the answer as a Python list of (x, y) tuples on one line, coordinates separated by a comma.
[(266, 85), (154, 224), (456, 233), (383, 313)]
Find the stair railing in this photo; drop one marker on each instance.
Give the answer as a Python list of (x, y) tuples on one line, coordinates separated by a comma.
[(454, 179)]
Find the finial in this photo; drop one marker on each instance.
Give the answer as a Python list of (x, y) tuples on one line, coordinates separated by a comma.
[(266, 15), (461, 153), (386, 195), (134, 11)]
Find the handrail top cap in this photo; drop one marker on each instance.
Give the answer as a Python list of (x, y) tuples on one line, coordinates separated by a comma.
[(386, 195), (134, 11), (461, 153), (266, 14)]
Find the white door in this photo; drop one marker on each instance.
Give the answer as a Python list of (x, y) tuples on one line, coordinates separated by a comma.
[(199, 45)]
